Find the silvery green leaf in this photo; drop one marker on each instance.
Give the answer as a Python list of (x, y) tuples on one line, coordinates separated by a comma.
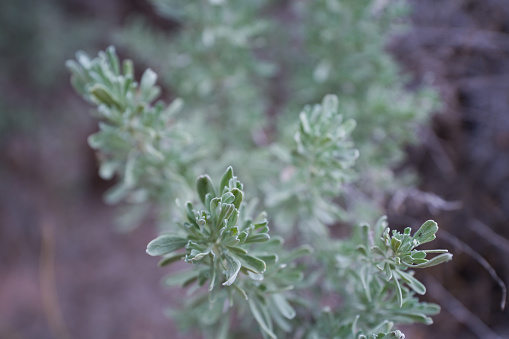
[(304, 123), (412, 282), (113, 60), (182, 278), (191, 217), (239, 195), (95, 141), (241, 291), (172, 109), (434, 261), (243, 236), (426, 232), (227, 198), (227, 176), (237, 250), (296, 253), (362, 250), (128, 68), (226, 212), (107, 169), (196, 255), (212, 313), (129, 175), (399, 292), (395, 244), (232, 220), (280, 320), (255, 276), (116, 193), (148, 80), (83, 59), (252, 263), (215, 208), (283, 306), (387, 271), (330, 103), (204, 186), (232, 269), (349, 125), (263, 237), (418, 254), (170, 258), (102, 94), (378, 251), (259, 312), (165, 244), (385, 326)]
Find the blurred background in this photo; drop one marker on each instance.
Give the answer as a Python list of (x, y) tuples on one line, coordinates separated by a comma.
[(66, 272)]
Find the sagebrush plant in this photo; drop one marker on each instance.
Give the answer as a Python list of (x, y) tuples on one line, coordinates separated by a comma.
[(309, 174)]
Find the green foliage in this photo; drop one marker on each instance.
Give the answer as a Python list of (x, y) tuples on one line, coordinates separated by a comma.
[(240, 62), (139, 140), (234, 254), (330, 164), (317, 164), (379, 289)]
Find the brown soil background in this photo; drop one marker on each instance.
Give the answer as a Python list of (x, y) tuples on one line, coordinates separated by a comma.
[(65, 272)]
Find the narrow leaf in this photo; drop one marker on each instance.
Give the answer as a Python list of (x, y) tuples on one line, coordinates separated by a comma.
[(232, 269), (252, 263), (434, 261), (165, 244), (264, 322), (426, 232), (170, 258), (204, 186), (241, 291), (283, 306), (258, 238), (225, 179), (181, 278), (412, 282), (399, 293)]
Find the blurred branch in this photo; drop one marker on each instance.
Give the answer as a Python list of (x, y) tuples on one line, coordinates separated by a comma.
[(458, 311), (477, 257), (487, 233), (433, 202), (462, 38), (439, 154)]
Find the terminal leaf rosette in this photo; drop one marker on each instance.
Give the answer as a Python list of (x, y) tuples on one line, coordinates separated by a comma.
[(234, 255), (213, 237)]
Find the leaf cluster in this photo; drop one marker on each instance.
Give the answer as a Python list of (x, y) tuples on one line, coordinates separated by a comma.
[(318, 163), (140, 141), (224, 62), (233, 254), (379, 290)]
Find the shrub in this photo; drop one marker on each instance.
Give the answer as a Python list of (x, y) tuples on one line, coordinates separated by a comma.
[(309, 172)]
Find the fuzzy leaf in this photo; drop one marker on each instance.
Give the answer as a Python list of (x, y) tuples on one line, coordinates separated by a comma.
[(426, 232), (257, 238), (181, 278), (283, 306), (165, 244), (434, 261), (204, 186), (170, 258), (412, 282), (225, 179), (260, 314), (232, 269), (252, 263)]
